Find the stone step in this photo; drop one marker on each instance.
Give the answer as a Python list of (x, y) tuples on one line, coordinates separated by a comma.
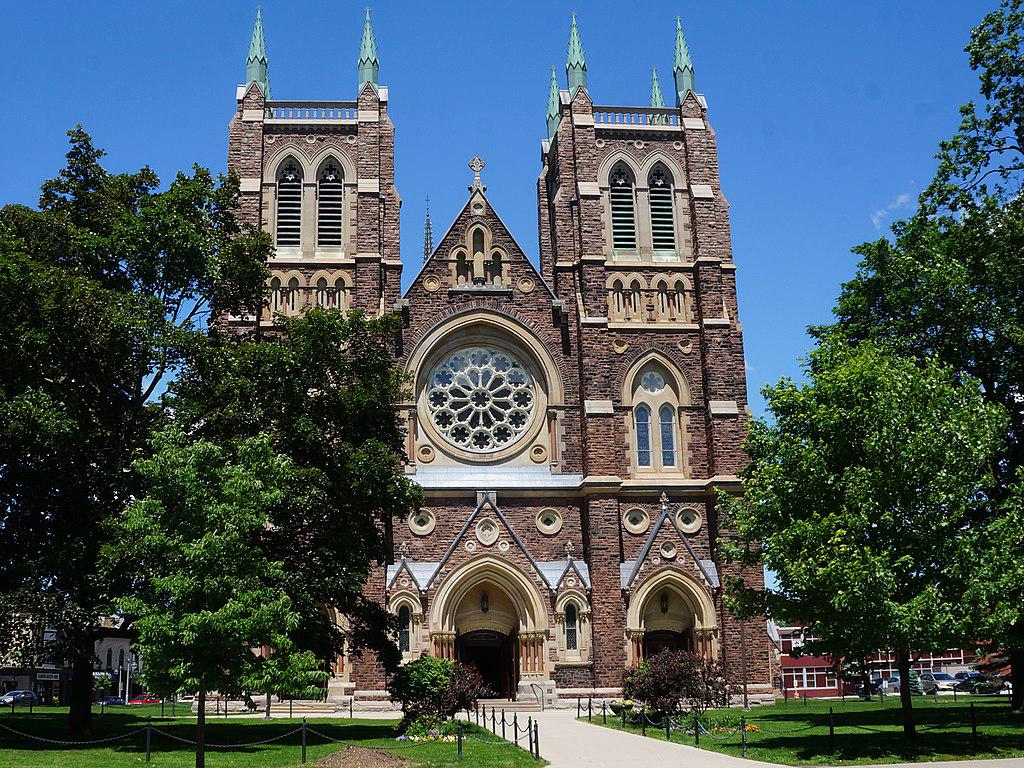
[(522, 705)]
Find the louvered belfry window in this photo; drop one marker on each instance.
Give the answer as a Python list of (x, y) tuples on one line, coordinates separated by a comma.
[(663, 228), (623, 210), (330, 191), (289, 205)]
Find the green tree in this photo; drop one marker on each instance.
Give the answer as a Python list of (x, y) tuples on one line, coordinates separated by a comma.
[(208, 598), (106, 290), (948, 285), (857, 496), (325, 392)]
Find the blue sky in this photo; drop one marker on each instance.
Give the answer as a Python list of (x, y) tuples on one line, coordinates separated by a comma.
[(827, 113)]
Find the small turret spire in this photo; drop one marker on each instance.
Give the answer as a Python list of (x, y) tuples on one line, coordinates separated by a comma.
[(553, 105), (256, 66), (428, 235), (575, 64), (682, 70), (657, 100), (368, 64)]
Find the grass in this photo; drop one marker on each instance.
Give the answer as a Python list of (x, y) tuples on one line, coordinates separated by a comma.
[(865, 732), (51, 722)]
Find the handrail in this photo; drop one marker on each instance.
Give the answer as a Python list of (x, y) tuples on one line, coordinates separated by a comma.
[(646, 116), (312, 110), (540, 697)]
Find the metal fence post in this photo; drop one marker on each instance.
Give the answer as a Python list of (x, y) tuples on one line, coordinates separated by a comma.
[(579, 705), (303, 741), (290, 701), (536, 740), (668, 728), (604, 712), (149, 734), (831, 731), (954, 692), (352, 707), (805, 699), (643, 722), (503, 724), (174, 700), (515, 726), (529, 734), (458, 737), (103, 705), (696, 729), (590, 709), (743, 733), (974, 726), (161, 707), (493, 729)]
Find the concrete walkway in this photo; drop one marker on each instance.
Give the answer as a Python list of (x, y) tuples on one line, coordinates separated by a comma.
[(569, 743)]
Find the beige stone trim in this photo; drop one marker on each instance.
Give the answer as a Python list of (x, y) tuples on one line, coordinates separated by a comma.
[(709, 321), (369, 115), (723, 408), (249, 184), (369, 185), (702, 191), (694, 124), (594, 321), (367, 257), (589, 189), (598, 407), (582, 119), (252, 115)]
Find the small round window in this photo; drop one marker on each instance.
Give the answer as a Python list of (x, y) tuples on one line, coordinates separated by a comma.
[(487, 531), (652, 382), (549, 521), (636, 520), (668, 550), (688, 519), (421, 523)]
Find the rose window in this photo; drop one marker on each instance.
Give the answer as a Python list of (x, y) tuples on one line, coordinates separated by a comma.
[(480, 399)]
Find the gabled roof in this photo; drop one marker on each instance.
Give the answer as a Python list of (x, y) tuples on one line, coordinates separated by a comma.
[(629, 570), (465, 213)]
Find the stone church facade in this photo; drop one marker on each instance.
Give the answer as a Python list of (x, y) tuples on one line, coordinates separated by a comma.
[(570, 425)]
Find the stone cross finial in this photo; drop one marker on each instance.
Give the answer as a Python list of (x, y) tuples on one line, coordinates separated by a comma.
[(477, 165), (569, 548), (403, 548), (664, 501)]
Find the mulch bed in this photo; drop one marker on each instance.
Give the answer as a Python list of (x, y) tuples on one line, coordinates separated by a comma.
[(362, 757)]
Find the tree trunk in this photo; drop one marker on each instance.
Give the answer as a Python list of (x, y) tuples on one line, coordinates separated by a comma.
[(80, 695), (906, 700), (201, 731), (1017, 679)]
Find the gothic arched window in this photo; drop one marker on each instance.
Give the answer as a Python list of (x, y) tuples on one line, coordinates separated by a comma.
[(571, 628), (329, 195), (663, 227), (622, 199), (323, 295), (293, 295), (405, 621), (289, 204), (642, 424), (110, 658), (667, 420)]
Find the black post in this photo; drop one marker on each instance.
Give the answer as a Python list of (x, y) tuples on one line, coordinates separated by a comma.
[(785, 692), (805, 699), (174, 700), (954, 692), (31, 702), (696, 730), (529, 733), (149, 733), (290, 708), (493, 729), (536, 740), (351, 707), (303, 741), (974, 727), (579, 704), (668, 728), (476, 711), (643, 722), (103, 706), (831, 731), (161, 707), (604, 712), (503, 724), (515, 726), (743, 733), (590, 710), (458, 737)]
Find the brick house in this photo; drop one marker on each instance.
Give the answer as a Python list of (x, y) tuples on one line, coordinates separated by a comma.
[(570, 423)]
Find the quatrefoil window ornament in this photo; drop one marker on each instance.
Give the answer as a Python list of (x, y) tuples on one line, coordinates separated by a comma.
[(481, 399)]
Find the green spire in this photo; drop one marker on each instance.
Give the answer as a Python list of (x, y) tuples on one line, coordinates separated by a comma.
[(657, 100), (575, 65), (428, 235), (553, 105), (683, 68), (368, 63), (256, 68)]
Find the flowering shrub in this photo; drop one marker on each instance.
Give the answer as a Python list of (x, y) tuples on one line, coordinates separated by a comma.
[(433, 690), (671, 681)]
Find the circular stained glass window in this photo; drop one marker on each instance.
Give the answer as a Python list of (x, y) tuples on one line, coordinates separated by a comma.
[(653, 382), (480, 399)]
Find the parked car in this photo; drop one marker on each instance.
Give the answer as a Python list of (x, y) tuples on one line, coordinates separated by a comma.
[(929, 687), (113, 701), (987, 684), (889, 685), (145, 698), (944, 682), (871, 688), (18, 699), (966, 675)]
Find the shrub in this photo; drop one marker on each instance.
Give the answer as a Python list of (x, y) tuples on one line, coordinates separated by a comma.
[(671, 681), (435, 689)]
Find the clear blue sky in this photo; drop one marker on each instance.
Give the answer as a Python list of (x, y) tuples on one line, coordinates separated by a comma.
[(827, 113)]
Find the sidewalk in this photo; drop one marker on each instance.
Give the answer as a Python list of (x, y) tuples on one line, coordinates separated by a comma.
[(569, 743)]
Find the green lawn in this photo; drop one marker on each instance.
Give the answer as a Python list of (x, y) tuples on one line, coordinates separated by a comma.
[(51, 722), (797, 734)]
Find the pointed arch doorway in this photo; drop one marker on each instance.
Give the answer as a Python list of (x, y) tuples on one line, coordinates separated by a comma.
[(493, 618)]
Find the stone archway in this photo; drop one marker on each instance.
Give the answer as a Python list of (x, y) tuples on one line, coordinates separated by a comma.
[(490, 614), (671, 610)]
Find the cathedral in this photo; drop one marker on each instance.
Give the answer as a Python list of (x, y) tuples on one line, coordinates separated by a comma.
[(571, 422)]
